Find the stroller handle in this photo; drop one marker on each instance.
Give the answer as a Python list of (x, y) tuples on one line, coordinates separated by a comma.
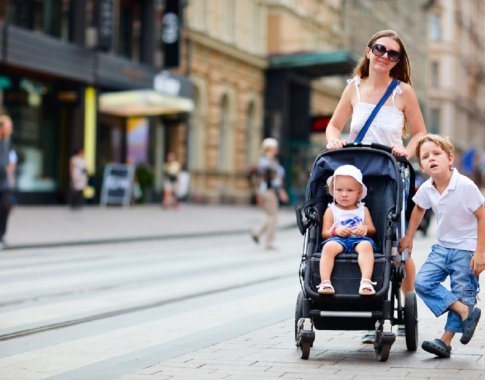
[(385, 148)]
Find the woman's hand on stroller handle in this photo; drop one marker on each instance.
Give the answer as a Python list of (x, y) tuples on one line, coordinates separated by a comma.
[(336, 144)]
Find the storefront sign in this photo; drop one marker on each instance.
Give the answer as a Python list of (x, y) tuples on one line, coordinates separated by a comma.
[(167, 84), (105, 24), (171, 33), (117, 184)]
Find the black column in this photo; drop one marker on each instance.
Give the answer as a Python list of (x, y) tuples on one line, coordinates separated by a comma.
[(77, 21), (147, 40), (52, 17)]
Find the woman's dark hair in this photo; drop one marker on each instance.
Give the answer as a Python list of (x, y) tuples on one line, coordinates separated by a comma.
[(401, 71)]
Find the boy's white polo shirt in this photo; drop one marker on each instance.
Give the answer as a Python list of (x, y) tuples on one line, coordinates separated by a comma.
[(454, 209)]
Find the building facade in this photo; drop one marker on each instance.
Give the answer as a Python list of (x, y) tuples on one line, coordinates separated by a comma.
[(90, 74), (456, 72)]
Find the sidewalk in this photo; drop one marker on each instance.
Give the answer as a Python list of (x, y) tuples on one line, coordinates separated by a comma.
[(35, 226)]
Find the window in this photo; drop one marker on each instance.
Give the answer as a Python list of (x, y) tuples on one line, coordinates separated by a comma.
[(435, 82), (435, 27), (223, 133), (434, 126)]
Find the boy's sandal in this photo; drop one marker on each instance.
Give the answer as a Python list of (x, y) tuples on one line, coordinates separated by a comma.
[(366, 287), (470, 324), (437, 347), (325, 287)]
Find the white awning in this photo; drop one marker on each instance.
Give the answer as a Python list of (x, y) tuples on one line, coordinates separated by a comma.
[(143, 103)]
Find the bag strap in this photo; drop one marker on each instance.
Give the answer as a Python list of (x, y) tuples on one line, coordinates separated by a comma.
[(376, 109)]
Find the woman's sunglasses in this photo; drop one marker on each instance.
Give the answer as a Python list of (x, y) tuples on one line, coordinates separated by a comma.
[(379, 50)]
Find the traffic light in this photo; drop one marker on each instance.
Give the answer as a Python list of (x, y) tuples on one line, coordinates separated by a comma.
[(319, 123)]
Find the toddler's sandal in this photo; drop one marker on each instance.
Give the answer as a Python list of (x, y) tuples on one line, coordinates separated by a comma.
[(366, 287), (326, 288)]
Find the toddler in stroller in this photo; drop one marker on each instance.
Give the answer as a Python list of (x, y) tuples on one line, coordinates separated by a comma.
[(346, 226), (384, 178)]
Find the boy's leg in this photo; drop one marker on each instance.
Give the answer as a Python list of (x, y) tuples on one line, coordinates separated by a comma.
[(408, 282), (429, 278), (465, 286)]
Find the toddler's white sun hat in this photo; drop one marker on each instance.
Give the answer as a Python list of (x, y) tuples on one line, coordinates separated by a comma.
[(351, 171)]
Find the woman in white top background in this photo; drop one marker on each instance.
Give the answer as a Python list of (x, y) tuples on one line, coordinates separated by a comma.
[(384, 60)]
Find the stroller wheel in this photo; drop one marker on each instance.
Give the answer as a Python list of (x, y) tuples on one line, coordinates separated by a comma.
[(298, 315), (411, 321), (305, 350), (382, 352)]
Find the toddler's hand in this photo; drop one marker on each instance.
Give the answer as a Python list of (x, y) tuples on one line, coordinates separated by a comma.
[(360, 230), (343, 231)]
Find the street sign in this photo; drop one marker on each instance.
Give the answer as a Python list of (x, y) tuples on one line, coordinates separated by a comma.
[(117, 184)]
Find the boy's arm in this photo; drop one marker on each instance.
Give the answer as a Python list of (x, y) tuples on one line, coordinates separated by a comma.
[(478, 260), (414, 220)]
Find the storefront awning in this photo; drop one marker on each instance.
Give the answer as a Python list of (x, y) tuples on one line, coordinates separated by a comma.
[(315, 64), (143, 103)]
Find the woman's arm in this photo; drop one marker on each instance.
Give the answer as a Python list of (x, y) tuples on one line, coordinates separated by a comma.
[(414, 119), (342, 113)]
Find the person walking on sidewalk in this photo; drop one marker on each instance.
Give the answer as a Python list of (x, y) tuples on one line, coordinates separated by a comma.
[(171, 173), (79, 178), (270, 191), (460, 250), (7, 166)]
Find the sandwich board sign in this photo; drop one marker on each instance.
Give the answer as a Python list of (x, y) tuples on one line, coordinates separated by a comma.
[(117, 184)]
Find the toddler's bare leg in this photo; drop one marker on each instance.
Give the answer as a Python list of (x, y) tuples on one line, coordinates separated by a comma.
[(329, 251)]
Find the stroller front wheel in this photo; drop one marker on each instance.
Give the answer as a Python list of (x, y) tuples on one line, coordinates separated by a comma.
[(411, 321)]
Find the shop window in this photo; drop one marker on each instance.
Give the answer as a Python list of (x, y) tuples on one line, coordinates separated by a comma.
[(36, 134)]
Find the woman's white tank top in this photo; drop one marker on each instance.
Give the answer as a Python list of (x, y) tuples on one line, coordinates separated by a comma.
[(385, 129)]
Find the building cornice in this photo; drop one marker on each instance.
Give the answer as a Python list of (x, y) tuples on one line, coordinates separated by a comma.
[(224, 48)]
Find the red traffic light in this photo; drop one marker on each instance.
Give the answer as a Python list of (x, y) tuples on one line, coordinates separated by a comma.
[(319, 123)]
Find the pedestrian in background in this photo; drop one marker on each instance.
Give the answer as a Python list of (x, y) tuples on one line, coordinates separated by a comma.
[(384, 61), (460, 249), (171, 172), (270, 191), (8, 161), (79, 178)]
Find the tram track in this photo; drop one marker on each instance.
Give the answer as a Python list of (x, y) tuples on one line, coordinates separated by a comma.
[(137, 308)]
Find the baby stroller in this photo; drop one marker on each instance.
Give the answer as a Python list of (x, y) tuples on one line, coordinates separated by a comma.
[(386, 178)]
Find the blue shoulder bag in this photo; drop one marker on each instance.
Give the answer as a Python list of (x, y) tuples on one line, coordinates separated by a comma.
[(376, 109)]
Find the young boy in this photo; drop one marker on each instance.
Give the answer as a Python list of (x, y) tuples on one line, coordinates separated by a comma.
[(460, 250), (347, 225)]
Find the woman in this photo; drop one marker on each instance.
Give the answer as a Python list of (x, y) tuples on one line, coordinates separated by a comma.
[(171, 172), (270, 191), (384, 60)]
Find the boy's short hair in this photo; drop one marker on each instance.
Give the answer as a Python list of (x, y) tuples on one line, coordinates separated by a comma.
[(443, 142)]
